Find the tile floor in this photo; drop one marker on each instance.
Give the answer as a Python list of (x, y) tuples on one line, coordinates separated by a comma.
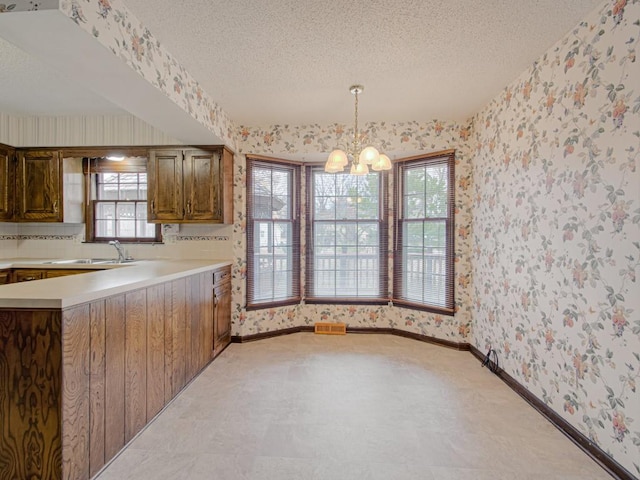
[(314, 407)]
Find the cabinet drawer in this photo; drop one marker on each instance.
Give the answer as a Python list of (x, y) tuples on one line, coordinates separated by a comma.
[(222, 275)]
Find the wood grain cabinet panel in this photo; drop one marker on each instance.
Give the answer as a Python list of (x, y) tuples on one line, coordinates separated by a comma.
[(63, 272), (164, 183), (179, 335), (39, 186), (7, 182), (203, 186), (221, 310), (190, 185), (114, 401), (155, 350), (135, 409), (76, 385), (5, 277), (206, 285), (97, 384), (30, 274), (30, 393), (169, 356), (75, 392), (27, 275), (193, 353)]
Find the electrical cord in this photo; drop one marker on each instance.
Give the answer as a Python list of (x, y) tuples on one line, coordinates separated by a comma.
[(491, 361)]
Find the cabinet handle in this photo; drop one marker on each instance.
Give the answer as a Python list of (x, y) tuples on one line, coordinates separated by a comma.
[(153, 206), (28, 279), (55, 206), (189, 207)]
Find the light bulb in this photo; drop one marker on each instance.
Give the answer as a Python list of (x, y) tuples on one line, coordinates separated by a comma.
[(383, 163), (359, 169), (338, 157), (333, 168), (369, 155)]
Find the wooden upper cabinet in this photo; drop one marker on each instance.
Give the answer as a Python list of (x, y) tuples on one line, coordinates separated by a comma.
[(39, 186), (190, 186), (202, 186), (7, 182), (164, 184)]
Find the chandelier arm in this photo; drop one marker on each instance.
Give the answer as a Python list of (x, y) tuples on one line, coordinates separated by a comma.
[(338, 159)]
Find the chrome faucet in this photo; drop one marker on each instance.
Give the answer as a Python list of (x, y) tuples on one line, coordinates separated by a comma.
[(120, 249)]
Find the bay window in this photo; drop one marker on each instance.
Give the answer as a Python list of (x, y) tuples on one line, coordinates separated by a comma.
[(423, 234), (273, 234), (346, 237)]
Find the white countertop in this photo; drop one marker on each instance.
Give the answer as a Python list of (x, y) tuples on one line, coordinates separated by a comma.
[(111, 279)]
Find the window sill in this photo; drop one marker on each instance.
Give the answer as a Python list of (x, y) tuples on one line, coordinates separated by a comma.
[(347, 301), (425, 308)]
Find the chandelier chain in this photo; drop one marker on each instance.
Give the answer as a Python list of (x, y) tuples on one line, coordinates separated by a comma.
[(356, 141)]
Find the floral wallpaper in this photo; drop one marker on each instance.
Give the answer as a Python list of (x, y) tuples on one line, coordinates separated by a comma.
[(547, 213), (556, 237), (403, 139), (110, 23), (27, 5)]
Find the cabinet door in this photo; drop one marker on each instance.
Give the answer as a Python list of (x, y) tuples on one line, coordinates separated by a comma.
[(27, 275), (7, 183), (39, 186), (221, 317), (164, 183), (203, 187), (227, 186), (59, 272), (5, 277)]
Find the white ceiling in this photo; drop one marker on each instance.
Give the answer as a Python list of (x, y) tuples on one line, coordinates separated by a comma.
[(292, 61), (29, 87)]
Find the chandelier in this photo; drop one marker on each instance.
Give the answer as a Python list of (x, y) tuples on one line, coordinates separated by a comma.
[(360, 157)]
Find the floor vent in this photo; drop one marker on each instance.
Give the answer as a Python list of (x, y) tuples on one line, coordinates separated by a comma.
[(327, 328)]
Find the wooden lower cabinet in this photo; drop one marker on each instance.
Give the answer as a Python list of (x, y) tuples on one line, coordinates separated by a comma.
[(221, 309), (27, 275), (5, 277), (63, 272), (30, 389), (97, 373), (17, 275)]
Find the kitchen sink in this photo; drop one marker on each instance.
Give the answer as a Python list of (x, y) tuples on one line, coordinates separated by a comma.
[(83, 261)]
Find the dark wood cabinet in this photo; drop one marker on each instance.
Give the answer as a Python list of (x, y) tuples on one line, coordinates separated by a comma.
[(27, 275), (190, 185), (7, 182), (109, 366), (221, 309), (39, 186), (164, 183), (17, 275), (60, 272), (5, 277)]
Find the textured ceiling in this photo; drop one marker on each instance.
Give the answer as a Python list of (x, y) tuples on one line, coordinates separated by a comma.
[(292, 61)]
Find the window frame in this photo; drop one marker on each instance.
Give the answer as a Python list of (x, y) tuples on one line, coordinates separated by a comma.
[(92, 167), (400, 166), (382, 244), (294, 168)]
